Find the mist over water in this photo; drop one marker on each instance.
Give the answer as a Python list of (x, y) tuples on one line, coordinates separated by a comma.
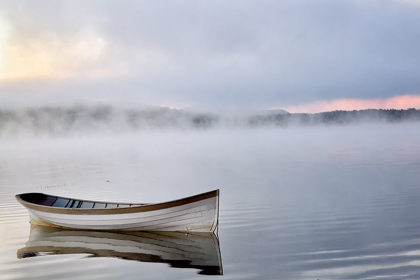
[(82, 120), (298, 203)]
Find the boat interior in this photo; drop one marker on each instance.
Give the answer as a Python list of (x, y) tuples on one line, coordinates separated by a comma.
[(62, 202)]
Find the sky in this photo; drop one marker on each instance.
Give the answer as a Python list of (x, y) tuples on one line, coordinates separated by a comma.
[(298, 55)]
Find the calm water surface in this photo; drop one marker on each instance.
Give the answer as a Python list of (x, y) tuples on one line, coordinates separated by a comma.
[(303, 203)]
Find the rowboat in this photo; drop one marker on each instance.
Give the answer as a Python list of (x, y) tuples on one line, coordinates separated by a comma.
[(196, 250), (197, 213)]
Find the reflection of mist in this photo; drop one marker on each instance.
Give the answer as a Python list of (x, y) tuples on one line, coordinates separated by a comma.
[(59, 121), (299, 203)]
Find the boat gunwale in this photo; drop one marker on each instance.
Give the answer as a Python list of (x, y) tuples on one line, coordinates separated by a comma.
[(124, 210)]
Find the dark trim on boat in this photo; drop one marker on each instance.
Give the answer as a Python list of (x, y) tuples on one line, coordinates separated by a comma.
[(25, 199)]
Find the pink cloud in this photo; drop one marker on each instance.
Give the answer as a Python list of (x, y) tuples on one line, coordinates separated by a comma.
[(399, 102)]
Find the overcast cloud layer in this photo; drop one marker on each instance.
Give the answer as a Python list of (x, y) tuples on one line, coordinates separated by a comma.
[(208, 54)]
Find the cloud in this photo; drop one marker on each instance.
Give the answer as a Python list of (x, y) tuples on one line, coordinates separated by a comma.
[(412, 2), (209, 53), (51, 56)]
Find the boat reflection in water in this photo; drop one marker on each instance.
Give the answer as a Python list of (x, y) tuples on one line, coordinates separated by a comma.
[(178, 249)]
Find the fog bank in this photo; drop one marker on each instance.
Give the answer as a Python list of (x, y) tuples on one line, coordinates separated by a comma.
[(82, 119)]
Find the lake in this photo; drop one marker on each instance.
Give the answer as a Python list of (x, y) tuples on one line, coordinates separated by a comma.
[(295, 203)]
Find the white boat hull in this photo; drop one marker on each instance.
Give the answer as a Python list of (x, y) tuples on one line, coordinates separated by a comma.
[(198, 216)]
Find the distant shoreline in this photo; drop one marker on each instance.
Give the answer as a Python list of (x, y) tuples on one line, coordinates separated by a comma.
[(339, 117), (61, 121)]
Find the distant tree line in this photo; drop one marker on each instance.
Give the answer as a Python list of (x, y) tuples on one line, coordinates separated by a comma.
[(337, 117), (85, 119), (91, 119)]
